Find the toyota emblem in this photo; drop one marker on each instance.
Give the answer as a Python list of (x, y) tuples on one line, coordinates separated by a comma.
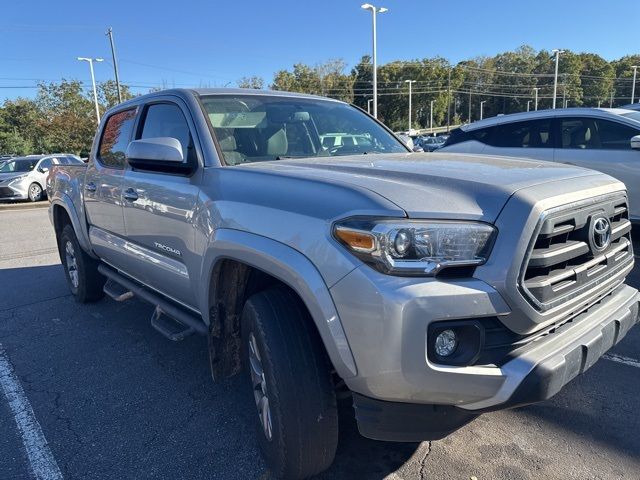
[(601, 233)]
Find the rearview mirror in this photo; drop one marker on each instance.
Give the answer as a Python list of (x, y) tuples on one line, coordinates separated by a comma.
[(159, 149), (635, 142)]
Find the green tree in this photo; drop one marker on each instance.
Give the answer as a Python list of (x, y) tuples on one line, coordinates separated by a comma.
[(251, 82)]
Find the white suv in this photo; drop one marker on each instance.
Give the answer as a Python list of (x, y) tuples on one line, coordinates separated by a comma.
[(598, 138)]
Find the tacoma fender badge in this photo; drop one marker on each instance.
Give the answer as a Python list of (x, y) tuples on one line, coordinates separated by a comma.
[(167, 249)]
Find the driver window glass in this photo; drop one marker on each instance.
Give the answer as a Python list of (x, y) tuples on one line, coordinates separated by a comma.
[(46, 163), (615, 136), (167, 120)]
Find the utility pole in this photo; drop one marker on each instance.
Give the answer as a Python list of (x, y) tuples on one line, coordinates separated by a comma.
[(535, 103), (633, 86), (482, 109), (374, 11), (93, 82), (409, 82), (528, 104), (115, 63), (431, 116), (564, 91), (555, 78), (611, 101), (469, 117), (369, 105), (449, 101)]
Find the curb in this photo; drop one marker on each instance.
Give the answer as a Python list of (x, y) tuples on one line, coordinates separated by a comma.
[(24, 206)]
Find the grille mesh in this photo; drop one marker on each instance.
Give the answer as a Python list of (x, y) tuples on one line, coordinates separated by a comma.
[(563, 262)]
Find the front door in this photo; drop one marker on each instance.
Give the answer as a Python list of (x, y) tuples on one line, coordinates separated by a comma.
[(103, 188), (602, 145), (159, 207)]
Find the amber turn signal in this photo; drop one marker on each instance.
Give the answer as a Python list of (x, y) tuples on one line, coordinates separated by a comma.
[(356, 239)]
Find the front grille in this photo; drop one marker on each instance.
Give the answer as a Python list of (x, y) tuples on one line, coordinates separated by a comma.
[(6, 192), (563, 262)]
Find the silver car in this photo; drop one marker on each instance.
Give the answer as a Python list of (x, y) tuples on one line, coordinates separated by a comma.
[(24, 178), (601, 139)]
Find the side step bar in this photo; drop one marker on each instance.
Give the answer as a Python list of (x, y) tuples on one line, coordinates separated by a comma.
[(190, 321)]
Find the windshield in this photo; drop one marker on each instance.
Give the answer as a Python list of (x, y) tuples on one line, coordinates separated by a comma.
[(253, 128), (17, 166), (632, 115)]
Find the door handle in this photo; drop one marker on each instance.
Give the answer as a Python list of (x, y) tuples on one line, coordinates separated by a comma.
[(90, 187), (130, 195)]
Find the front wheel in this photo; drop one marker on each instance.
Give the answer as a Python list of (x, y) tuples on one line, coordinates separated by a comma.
[(85, 282), (297, 416), (35, 192)]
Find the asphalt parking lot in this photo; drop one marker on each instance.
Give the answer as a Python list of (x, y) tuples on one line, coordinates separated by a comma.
[(114, 399)]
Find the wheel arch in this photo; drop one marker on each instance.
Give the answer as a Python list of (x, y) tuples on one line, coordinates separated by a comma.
[(237, 264), (63, 211)]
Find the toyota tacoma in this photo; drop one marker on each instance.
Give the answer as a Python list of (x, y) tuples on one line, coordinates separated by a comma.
[(427, 288)]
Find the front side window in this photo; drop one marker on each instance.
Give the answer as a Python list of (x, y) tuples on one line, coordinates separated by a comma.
[(529, 134), (595, 133), (167, 120), (614, 135), (254, 128), (115, 139)]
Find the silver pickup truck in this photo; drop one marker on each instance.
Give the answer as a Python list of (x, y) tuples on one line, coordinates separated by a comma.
[(327, 261)]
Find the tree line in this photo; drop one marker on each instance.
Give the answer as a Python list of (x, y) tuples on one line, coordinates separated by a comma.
[(61, 118)]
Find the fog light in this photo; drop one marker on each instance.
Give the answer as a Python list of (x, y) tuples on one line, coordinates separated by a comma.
[(446, 343)]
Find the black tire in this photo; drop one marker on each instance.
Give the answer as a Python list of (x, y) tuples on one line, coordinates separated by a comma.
[(299, 388), (35, 192), (89, 284)]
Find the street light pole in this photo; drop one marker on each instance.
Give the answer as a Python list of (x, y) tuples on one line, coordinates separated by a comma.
[(369, 105), (431, 115), (482, 109), (374, 11), (535, 103), (409, 82), (93, 82), (633, 86), (555, 78), (115, 63), (611, 101), (528, 104)]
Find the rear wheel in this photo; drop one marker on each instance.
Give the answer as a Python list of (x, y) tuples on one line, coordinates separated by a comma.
[(35, 192), (85, 282), (297, 417)]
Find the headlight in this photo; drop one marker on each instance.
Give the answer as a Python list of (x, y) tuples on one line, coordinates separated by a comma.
[(416, 247), (18, 179)]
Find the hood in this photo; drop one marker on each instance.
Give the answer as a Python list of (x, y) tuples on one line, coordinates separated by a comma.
[(435, 185), (10, 176)]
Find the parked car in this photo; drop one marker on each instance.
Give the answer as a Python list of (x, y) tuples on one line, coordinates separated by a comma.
[(602, 139), (24, 178), (430, 144), (631, 106), (426, 288)]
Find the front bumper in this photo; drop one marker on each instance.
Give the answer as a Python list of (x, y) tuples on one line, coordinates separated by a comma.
[(399, 394), (13, 192)]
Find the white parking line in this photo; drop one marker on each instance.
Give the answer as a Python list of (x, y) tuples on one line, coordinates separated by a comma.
[(620, 359), (41, 461)]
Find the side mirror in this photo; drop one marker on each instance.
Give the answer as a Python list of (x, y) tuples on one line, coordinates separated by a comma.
[(160, 154), (418, 149), (43, 169), (159, 149), (635, 142)]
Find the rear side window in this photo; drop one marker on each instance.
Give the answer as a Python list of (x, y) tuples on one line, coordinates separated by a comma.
[(115, 139), (529, 134), (458, 136), (167, 120)]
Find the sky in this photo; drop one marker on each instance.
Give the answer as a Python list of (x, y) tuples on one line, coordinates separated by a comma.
[(214, 43)]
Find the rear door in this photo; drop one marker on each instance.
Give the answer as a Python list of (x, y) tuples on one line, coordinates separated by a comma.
[(603, 145), (103, 188), (528, 139), (159, 207)]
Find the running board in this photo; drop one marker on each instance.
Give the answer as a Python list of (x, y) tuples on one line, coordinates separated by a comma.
[(187, 323), (117, 291)]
